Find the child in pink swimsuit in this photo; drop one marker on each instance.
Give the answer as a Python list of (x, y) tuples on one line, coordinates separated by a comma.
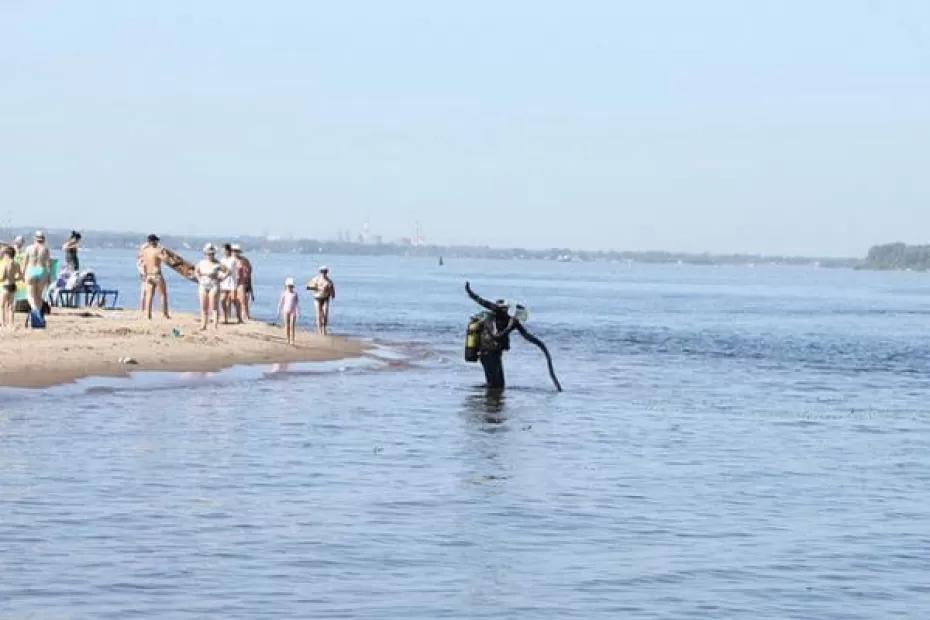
[(289, 310)]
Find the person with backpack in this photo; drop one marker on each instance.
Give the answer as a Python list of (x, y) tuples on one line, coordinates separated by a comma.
[(488, 337)]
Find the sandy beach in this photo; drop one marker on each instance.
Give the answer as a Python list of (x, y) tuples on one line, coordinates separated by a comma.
[(84, 343)]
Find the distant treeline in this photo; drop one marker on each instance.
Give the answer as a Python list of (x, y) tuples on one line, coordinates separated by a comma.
[(898, 256), (193, 243)]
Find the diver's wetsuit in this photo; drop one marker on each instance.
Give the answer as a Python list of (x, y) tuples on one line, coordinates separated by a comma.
[(491, 351), (494, 340)]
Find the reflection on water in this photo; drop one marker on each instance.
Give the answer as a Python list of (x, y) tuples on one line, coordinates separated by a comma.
[(196, 375), (486, 403)]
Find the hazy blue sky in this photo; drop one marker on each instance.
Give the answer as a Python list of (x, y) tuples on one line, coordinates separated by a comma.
[(763, 126)]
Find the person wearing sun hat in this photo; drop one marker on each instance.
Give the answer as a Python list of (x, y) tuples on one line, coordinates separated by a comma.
[(324, 292), (210, 272), (289, 310)]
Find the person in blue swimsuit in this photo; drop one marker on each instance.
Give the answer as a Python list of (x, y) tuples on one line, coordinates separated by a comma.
[(37, 270)]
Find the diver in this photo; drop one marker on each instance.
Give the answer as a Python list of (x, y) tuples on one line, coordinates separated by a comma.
[(488, 336)]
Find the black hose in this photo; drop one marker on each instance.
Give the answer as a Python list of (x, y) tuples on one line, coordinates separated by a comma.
[(539, 343)]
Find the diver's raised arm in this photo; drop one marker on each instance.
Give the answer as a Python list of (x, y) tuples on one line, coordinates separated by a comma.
[(479, 300)]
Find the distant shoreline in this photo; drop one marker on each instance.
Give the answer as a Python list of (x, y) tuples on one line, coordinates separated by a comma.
[(79, 344), (193, 243), (898, 257)]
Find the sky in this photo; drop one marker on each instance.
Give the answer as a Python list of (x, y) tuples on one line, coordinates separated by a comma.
[(779, 127)]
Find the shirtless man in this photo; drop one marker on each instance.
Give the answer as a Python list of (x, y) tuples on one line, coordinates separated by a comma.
[(324, 291), (244, 292), (150, 259)]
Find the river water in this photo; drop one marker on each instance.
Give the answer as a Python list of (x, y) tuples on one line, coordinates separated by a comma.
[(731, 443)]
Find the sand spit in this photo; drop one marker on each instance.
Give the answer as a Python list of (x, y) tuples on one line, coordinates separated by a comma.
[(86, 343)]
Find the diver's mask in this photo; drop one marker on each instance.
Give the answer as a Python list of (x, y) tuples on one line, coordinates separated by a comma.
[(521, 313)]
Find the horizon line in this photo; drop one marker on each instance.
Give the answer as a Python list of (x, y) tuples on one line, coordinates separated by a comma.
[(26, 231)]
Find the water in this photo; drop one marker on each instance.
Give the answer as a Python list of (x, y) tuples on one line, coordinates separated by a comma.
[(732, 443)]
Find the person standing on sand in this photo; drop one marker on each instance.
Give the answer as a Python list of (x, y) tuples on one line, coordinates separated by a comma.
[(289, 310), (244, 293), (37, 270), (70, 248), (149, 262), (210, 272), (324, 292), (229, 285), (10, 272)]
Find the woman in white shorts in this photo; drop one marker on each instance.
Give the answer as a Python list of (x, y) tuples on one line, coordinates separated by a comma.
[(230, 284)]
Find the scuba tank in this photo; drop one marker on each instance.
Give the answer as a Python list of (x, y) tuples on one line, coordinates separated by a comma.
[(473, 338)]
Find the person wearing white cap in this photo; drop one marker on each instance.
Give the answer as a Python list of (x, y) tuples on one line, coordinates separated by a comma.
[(324, 292), (289, 310), (210, 272), (37, 268)]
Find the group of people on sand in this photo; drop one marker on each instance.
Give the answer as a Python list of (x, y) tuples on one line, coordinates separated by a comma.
[(32, 265), (224, 285)]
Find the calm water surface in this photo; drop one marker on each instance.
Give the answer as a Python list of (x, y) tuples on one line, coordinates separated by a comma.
[(732, 443)]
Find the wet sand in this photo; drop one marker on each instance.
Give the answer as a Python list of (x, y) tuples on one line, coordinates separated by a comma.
[(82, 343)]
